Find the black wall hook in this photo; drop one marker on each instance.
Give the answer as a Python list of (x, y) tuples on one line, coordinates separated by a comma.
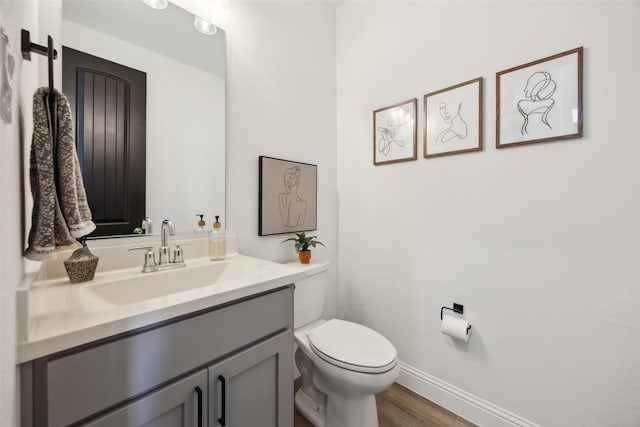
[(28, 47), (48, 51)]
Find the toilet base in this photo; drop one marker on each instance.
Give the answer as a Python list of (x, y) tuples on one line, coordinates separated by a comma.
[(341, 411), (309, 409), (348, 409)]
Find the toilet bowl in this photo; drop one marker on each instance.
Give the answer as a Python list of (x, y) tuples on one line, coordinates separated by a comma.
[(343, 365)]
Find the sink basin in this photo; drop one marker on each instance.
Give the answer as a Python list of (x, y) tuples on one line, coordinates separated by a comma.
[(148, 286), (127, 287), (54, 315)]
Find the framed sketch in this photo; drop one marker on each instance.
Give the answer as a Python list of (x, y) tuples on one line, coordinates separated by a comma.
[(453, 119), (288, 196), (540, 101), (395, 133)]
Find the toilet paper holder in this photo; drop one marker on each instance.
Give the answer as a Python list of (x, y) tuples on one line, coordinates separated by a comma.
[(456, 327), (457, 308)]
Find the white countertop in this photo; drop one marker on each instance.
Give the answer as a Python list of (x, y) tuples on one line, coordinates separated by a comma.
[(60, 315), (314, 267)]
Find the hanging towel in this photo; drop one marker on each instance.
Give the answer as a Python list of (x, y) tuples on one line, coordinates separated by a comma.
[(60, 209)]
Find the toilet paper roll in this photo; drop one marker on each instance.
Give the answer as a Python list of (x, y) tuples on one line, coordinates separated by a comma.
[(456, 327)]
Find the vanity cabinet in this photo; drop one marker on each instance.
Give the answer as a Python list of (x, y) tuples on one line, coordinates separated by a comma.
[(180, 404), (247, 388), (228, 365)]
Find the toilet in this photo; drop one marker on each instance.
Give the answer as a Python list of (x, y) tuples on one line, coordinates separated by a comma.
[(343, 364)]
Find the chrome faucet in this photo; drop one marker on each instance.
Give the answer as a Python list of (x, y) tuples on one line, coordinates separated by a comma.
[(167, 229), (146, 226)]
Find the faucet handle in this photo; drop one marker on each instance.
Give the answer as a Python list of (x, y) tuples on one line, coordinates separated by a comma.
[(177, 254), (149, 256)]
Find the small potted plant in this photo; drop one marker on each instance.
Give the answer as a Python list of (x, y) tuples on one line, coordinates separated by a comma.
[(303, 242)]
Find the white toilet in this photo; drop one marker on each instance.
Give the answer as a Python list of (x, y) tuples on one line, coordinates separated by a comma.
[(342, 364)]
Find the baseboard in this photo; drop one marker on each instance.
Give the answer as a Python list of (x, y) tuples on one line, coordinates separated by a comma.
[(465, 404)]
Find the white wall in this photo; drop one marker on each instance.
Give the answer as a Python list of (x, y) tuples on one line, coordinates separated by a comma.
[(540, 243), (281, 103), (185, 129), (40, 18)]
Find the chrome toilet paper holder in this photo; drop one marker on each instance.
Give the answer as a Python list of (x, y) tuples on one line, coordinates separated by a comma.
[(457, 308)]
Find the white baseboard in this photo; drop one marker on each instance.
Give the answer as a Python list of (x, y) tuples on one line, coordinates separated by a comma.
[(468, 406)]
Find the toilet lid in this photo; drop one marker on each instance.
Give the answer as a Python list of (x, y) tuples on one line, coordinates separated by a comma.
[(352, 346)]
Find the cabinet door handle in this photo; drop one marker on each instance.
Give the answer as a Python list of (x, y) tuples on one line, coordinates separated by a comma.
[(199, 393), (223, 416)]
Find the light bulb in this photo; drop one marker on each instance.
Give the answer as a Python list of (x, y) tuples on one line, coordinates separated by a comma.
[(204, 26)]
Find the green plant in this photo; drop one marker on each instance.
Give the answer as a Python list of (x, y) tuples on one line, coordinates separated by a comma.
[(303, 241)]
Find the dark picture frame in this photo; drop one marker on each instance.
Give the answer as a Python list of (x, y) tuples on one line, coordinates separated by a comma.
[(395, 132), (288, 196), (540, 101), (453, 119)]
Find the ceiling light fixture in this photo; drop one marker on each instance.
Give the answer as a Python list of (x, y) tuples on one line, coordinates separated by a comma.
[(204, 26), (157, 4)]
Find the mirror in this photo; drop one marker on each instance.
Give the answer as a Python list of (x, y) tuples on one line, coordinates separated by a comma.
[(185, 99)]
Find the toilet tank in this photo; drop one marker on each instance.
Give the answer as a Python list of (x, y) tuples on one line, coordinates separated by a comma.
[(309, 295)]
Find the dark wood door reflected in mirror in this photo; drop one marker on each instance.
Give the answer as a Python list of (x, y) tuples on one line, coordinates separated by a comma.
[(108, 103)]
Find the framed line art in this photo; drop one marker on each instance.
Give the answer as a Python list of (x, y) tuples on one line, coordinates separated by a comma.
[(287, 196), (540, 101), (395, 133), (453, 119)]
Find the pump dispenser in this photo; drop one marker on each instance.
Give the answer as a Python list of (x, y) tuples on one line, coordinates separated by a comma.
[(216, 241), (201, 228)]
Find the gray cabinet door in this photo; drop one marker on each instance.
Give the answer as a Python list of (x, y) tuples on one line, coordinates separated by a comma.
[(77, 385), (254, 387), (180, 404)]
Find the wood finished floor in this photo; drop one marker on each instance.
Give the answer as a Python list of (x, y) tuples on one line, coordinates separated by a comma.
[(400, 407)]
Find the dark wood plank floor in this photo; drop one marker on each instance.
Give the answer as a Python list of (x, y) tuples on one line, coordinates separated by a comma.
[(400, 407)]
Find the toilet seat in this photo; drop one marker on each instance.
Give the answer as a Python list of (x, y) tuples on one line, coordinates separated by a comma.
[(353, 347)]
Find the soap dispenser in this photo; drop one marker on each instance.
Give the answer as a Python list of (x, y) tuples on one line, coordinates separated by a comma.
[(201, 225), (216, 241)]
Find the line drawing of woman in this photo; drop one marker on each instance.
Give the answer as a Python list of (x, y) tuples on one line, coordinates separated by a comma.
[(457, 126), (538, 91), (293, 208), (387, 138), (388, 135)]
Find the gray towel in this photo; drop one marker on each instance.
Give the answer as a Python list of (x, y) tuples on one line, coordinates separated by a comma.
[(60, 208)]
